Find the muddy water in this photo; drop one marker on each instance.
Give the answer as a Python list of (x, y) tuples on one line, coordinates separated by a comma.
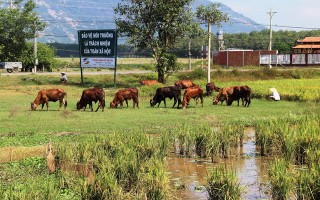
[(190, 173)]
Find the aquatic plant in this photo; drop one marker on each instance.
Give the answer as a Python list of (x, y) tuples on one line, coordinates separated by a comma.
[(281, 179), (222, 184)]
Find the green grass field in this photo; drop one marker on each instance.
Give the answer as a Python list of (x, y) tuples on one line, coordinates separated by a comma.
[(39, 127), (120, 140)]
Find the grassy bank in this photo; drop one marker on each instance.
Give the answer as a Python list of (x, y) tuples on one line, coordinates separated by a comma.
[(128, 146)]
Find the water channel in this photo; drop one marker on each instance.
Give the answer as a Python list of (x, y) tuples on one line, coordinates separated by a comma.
[(251, 169)]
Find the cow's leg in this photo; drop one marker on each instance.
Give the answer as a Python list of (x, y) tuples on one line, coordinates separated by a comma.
[(137, 102), (188, 101), (175, 101), (164, 101), (127, 102), (60, 103), (201, 101), (99, 104), (42, 105), (179, 102), (103, 104), (47, 104)]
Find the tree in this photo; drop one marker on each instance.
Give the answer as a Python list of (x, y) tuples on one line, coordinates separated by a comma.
[(46, 55), (154, 24), (211, 15), (18, 25)]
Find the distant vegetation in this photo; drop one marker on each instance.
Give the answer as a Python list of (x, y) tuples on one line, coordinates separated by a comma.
[(283, 41)]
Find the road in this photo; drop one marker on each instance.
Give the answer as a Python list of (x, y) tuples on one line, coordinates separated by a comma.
[(2, 73)]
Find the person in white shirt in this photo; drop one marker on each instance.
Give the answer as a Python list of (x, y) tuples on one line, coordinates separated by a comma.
[(63, 78), (274, 94)]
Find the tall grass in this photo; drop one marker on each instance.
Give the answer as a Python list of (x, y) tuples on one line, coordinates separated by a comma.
[(282, 180), (222, 184)]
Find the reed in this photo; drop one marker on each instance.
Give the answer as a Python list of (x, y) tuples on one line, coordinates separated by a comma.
[(222, 184), (308, 183), (281, 179), (122, 162)]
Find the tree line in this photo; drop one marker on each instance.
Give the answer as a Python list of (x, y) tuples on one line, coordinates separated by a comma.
[(283, 41), (160, 29)]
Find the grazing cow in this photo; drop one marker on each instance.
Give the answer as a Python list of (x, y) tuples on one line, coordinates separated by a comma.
[(92, 95), (234, 93), (125, 95), (211, 87), (184, 84), (166, 92), (149, 82), (44, 96), (192, 92)]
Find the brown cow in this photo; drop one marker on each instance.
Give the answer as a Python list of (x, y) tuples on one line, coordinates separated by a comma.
[(234, 93), (211, 87), (44, 96), (184, 84), (125, 95), (149, 82), (192, 92), (92, 95)]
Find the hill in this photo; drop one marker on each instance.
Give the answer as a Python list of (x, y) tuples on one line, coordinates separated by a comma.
[(65, 17)]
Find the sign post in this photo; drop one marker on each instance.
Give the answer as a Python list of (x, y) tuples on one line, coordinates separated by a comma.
[(98, 49)]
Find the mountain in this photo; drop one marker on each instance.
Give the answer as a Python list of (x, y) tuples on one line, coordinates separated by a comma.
[(65, 17)]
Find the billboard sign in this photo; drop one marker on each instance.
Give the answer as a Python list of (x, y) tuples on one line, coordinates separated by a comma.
[(97, 62), (97, 45)]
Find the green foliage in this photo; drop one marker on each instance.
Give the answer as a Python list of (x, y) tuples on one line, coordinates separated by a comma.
[(197, 73), (281, 179), (211, 14), (45, 54), (18, 25), (155, 25), (222, 184), (283, 40)]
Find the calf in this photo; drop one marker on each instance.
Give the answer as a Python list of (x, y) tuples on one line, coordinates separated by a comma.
[(125, 95), (234, 93), (149, 82), (192, 92), (44, 96), (184, 84), (166, 92), (92, 95), (211, 87)]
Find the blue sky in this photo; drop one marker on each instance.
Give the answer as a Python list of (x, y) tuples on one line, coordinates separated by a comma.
[(290, 13)]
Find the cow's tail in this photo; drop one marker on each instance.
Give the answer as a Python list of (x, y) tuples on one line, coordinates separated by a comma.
[(65, 102)]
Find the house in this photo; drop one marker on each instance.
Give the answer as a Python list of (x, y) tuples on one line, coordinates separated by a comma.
[(308, 45)]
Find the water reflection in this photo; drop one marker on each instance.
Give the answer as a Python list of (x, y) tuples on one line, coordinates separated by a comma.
[(190, 174)]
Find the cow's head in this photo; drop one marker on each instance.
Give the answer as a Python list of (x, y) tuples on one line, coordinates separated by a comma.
[(113, 104), (215, 101), (33, 106), (79, 105), (217, 89), (152, 103)]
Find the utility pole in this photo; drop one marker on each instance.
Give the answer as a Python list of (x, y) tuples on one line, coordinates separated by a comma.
[(270, 13), (35, 49), (189, 52), (209, 51), (11, 5)]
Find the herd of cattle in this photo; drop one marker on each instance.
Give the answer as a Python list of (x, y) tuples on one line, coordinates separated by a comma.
[(191, 91)]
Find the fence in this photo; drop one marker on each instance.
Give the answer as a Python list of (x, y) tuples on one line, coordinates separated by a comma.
[(255, 58), (290, 59)]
